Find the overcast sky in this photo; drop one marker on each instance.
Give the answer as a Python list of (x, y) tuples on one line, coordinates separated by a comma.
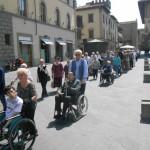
[(123, 10)]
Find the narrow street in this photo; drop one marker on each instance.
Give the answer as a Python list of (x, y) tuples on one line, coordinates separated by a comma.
[(112, 122)]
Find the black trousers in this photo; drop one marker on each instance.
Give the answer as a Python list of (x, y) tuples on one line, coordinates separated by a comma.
[(62, 99), (28, 110), (44, 91), (83, 86)]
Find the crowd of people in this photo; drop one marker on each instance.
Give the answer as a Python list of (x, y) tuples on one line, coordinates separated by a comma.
[(76, 72)]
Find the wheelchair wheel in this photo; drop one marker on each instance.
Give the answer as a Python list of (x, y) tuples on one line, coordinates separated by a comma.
[(22, 136), (82, 105)]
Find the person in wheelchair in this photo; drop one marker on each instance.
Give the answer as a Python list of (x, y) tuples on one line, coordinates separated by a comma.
[(68, 93), (107, 71), (14, 105)]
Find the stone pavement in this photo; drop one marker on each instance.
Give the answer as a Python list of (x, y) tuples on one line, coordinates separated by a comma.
[(112, 122)]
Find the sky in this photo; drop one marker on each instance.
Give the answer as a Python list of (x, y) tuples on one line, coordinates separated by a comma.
[(123, 10)]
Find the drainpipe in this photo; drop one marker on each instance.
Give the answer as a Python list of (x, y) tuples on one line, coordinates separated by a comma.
[(35, 17)]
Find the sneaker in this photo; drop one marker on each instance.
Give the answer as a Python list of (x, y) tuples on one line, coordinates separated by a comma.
[(58, 116)]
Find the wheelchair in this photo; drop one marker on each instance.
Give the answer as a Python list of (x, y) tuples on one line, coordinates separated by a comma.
[(18, 133), (78, 109), (107, 78)]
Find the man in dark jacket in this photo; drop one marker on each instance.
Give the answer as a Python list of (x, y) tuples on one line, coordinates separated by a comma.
[(43, 74), (2, 85), (69, 92)]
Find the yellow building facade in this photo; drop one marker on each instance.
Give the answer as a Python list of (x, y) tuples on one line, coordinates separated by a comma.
[(38, 28), (94, 21)]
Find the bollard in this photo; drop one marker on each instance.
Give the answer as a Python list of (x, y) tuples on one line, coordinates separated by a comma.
[(145, 109), (146, 78)]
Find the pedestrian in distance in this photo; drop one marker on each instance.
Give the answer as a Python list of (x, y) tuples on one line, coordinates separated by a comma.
[(57, 73), (43, 75)]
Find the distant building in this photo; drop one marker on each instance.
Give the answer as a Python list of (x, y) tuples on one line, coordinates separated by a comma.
[(144, 7), (95, 22), (130, 32), (33, 29)]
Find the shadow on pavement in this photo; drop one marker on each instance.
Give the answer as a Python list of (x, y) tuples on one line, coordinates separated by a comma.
[(53, 93), (59, 124)]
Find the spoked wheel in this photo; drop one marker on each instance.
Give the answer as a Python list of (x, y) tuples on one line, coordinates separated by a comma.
[(82, 105), (101, 80), (22, 136)]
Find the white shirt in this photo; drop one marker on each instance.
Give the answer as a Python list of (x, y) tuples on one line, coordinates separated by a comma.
[(13, 106)]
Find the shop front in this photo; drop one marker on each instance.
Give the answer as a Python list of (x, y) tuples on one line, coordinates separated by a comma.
[(60, 48), (45, 49), (25, 49)]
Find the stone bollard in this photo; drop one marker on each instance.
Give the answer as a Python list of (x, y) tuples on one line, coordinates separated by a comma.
[(146, 78), (145, 109), (147, 67)]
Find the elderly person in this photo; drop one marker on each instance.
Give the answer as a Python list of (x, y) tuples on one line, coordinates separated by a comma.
[(57, 72), (68, 93), (26, 90), (24, 65), (79, 67), (43, 74)]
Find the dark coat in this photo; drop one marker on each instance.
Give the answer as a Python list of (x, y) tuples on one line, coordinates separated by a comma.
[(42, 73), (2, 81)]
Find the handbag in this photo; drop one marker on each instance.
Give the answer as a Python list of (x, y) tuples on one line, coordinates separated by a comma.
[(48, 78), (52, 84)]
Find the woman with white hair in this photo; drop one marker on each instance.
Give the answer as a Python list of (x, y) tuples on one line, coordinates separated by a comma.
[(26, 90)]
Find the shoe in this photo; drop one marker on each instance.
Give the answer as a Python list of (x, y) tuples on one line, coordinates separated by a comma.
[(58, 116)]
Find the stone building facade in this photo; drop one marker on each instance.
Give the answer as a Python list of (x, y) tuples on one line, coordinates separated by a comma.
[(94, 21), (35, 29), (130, 32), (144, 8)]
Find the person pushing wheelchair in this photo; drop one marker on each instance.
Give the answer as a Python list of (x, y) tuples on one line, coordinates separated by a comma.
[(67, 93)]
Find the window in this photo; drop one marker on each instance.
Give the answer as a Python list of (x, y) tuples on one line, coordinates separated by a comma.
[(22, 8), (90, 18), (79, 34), (91, 33), (103, 18), (57, 17), (68, 21), (79, 22), (43, 12), (7, 39)]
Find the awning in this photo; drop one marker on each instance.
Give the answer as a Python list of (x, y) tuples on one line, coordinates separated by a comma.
[(26, 42), (69, 42), (60, 42), (47, 41)]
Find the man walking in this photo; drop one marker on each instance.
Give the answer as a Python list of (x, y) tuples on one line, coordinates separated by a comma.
[(79, 67)]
